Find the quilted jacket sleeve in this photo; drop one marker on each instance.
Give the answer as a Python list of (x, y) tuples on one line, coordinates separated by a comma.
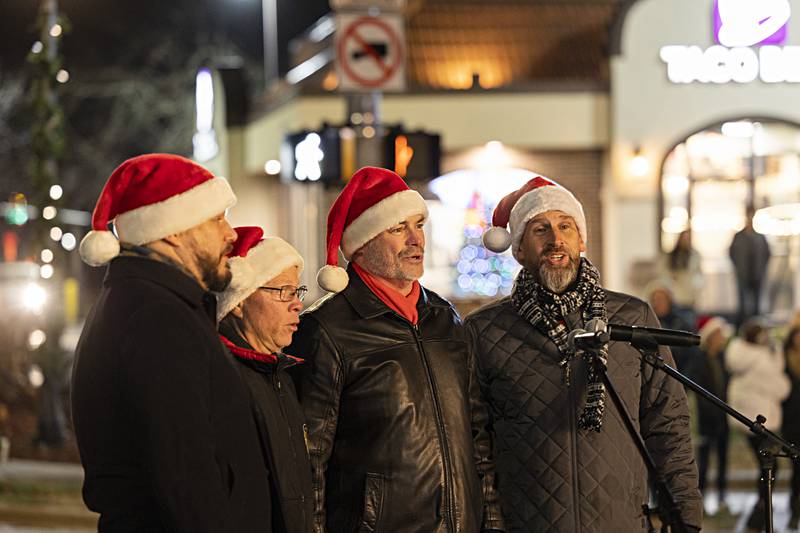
[(481, 435), (664, 416), (320, 392)]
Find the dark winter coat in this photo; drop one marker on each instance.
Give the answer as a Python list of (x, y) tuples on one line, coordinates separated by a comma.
[(750, 255), (710, 373), (397, 429), (790, 427), (282, 431), (162, 418), (553, 476)]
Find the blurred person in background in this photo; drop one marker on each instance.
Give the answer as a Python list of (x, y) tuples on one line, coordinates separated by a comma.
[(758, 385), (258, 313), (791, 415), (712, 427), (680, 270), (749, 253), (398, 432), (671, 317), (162, 417)]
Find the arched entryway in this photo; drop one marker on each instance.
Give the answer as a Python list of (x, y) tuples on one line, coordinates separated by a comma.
[(707, 181)]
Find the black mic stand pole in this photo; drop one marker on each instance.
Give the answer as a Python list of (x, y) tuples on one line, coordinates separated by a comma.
[(768, 442), (667, 509)]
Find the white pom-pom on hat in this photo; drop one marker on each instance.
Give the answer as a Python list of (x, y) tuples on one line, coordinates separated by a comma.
[(497, 239), (99, 247), (332, 278)]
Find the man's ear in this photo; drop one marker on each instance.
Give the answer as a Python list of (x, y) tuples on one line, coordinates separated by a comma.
[(582, 247)]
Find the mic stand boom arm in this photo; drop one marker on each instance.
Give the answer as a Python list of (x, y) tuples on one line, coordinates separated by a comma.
[(768, 442)]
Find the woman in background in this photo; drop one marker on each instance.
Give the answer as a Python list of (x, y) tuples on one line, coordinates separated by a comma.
[(758, 386), (680, 269), (791, 415)]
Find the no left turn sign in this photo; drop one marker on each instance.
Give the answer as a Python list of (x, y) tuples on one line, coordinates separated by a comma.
[(370, 52)]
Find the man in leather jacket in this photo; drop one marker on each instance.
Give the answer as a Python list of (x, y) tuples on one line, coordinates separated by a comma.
[(397, 431), (565, 462)]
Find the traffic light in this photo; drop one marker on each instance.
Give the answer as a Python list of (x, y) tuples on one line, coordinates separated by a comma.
[(16, 210), (332, 154), (414, 155)]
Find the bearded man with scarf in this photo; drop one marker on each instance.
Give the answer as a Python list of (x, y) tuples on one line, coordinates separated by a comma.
[(565, 462)]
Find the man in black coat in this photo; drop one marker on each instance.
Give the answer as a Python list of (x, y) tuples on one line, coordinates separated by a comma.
[(162, 418), (749, 252), (397, 431), (565, 461)]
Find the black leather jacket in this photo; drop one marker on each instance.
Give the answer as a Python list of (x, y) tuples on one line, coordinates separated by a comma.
[(397, 429)]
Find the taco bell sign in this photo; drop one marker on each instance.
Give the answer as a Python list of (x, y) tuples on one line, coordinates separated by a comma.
[(750, 23), (739, 26)]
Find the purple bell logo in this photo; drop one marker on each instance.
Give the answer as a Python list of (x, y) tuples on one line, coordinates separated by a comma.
[(750, 22)]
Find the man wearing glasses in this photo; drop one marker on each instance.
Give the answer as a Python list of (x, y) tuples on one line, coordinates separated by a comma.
[(397, 430), (258, 313)]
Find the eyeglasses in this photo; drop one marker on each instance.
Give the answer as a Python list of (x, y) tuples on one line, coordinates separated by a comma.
[(286, 293)]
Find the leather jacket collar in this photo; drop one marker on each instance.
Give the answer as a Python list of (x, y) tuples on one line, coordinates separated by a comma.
[(367, 305)]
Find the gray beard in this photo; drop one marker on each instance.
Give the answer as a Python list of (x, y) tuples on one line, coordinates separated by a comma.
[(558, 279)]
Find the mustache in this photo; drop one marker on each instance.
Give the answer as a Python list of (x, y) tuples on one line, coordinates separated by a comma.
[(551, 248), (412, 250)]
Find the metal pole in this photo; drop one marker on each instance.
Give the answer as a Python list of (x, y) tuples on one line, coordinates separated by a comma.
[(269, 10)]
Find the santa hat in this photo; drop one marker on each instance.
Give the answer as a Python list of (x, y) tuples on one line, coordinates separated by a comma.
[(254, 260), (706, 326), (517, 208), (374, 200), (150, 197)]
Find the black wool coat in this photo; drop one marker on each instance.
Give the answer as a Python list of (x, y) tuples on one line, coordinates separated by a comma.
[(163, 420)]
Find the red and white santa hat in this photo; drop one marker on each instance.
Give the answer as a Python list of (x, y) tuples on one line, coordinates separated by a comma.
[(150, 197), (254, 261), (707, 325), (374, 200), (516, 209)]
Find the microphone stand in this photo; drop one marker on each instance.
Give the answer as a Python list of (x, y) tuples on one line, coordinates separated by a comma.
[(768, 442), (667, 510)]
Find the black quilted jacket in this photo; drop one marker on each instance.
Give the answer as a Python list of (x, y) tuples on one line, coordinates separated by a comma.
[(553, 476), (397, 428)]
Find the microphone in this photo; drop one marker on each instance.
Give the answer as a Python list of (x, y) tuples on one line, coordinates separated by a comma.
[(638, 336)]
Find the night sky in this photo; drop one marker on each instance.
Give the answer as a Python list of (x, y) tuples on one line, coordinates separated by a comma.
[(102, 30)]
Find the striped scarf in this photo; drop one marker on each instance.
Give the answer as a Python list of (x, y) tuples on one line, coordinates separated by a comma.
[(547, 311)]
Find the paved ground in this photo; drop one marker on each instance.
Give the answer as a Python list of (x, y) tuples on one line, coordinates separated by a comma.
[(39, 497)]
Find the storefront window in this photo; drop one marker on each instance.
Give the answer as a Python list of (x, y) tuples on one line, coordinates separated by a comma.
[(458, 265), (708, 181)]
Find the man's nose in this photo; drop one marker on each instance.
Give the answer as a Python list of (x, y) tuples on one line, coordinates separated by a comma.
[(230, 234), (416, 236)]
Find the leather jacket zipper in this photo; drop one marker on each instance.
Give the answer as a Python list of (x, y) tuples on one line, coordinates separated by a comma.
[(448, 496)]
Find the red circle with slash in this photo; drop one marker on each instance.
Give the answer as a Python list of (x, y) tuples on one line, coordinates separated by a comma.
[(387, 70)]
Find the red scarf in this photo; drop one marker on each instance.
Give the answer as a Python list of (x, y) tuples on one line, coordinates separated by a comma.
[(245, 353), (405, 306)]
